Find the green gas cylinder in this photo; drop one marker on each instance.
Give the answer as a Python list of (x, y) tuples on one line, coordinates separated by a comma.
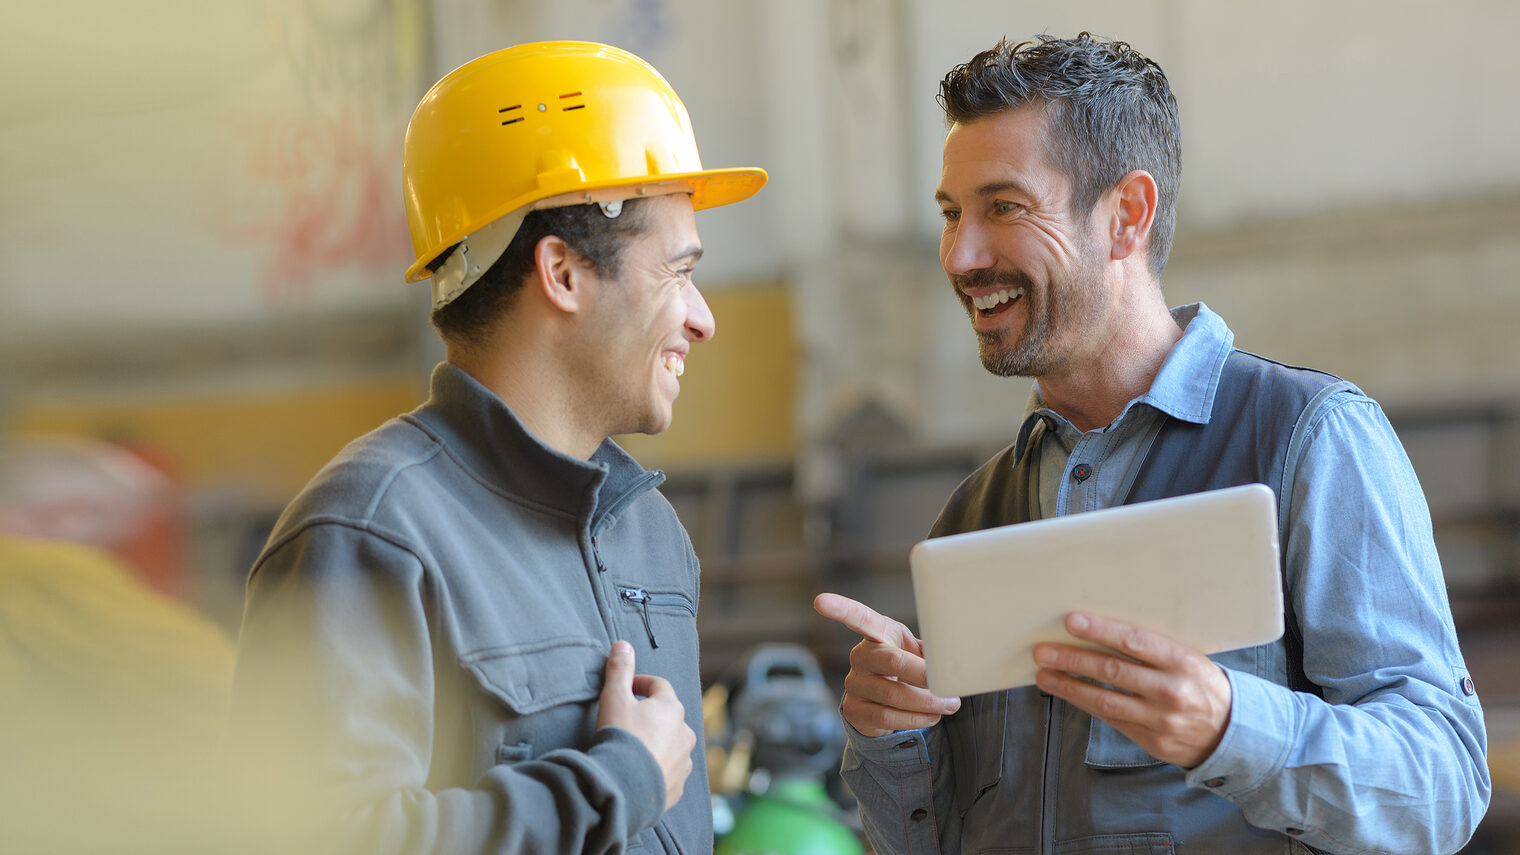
[(795, 816)]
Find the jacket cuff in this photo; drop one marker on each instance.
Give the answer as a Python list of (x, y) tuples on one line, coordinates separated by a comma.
[(637, 774), (899, 748)]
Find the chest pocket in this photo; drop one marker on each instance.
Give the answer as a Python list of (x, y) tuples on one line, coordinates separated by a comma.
[(658, 611), (975, 734), (533, 677), (534, 697), (1109, 749)]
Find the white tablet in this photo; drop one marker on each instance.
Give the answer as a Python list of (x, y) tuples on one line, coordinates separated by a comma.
[(1201, 569)]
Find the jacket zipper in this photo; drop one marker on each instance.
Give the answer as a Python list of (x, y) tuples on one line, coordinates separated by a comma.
[(644, 599), (593, 526), (596, 553)]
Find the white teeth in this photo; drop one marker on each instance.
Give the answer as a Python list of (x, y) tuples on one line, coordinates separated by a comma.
[(675, 365), (997, 299)]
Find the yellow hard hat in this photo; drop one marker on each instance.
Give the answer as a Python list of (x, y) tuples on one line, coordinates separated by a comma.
[(543, 125)]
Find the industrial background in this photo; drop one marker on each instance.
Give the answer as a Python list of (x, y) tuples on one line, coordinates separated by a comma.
[(202, 240)]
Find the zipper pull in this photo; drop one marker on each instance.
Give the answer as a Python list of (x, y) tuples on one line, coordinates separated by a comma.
[(597, 554), (641, 597)]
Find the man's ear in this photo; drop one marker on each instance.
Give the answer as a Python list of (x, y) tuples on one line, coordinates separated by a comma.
[(560, 274), (1132, 215)]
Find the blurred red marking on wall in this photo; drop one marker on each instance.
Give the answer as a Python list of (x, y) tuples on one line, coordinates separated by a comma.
[(322, 195)]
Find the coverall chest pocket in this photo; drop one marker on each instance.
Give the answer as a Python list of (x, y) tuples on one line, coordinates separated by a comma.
[(534, 698), (975, 735), (1153, 843)]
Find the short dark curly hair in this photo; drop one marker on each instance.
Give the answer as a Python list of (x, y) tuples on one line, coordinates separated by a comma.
[(1109, 110), (467, 319)]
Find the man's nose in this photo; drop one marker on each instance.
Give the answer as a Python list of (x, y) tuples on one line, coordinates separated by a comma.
[(700, 324), (965, 249)]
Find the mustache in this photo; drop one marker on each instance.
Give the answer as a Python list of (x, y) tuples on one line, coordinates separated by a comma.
[(987, 277)]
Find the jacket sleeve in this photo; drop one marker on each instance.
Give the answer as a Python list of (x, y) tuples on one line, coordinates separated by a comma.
[(902, 782), (331, 730), (1389, 756)]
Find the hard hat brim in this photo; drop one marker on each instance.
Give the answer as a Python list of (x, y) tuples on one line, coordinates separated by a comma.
[(709, 188)]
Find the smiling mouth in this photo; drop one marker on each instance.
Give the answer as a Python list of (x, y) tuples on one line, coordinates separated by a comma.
[(997, 302)]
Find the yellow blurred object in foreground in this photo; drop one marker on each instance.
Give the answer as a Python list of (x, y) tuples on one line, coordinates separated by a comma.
[(113, 705)]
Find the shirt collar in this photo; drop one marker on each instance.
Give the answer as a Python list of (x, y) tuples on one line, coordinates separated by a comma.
[(1184, 387)]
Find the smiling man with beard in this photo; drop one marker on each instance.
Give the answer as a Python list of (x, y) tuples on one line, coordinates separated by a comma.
[(1358, 731)]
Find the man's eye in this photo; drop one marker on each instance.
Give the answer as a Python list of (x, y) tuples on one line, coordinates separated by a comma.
[(1004, 207), (949, 214)]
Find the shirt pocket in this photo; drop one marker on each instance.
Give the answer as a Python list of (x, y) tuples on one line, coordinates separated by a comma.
[(1107, 748), (534, 698)]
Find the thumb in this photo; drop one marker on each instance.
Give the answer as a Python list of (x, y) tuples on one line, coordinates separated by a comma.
[(619, 683)]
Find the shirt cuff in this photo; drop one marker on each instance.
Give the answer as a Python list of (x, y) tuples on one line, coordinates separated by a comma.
[(1264, 724)]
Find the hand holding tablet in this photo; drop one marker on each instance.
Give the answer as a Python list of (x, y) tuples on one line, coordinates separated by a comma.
[(1201, 569)]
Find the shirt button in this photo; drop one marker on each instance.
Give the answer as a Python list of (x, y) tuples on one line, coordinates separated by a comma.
[(918, 815), (1081, 472), (1296, 832), (1468, 688), (1214, 782)]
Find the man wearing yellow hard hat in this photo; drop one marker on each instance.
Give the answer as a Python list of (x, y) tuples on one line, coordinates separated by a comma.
[(475, 630)]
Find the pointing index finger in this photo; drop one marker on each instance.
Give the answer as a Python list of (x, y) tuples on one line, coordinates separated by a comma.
[(859, 617)]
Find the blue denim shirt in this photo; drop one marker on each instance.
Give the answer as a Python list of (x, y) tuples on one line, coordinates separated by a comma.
[(1391, 758)]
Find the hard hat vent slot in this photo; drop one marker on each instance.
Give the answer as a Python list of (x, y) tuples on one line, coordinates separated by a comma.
[(569, 107), (508, 117)]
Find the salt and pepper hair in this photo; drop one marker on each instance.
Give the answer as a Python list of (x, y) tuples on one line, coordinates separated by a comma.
[(1109, 110)]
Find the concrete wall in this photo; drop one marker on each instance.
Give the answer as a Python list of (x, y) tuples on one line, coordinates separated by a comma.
[(208, 201), (1348, 199)]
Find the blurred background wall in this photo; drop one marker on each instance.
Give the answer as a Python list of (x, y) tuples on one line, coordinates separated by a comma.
[(201, 246)]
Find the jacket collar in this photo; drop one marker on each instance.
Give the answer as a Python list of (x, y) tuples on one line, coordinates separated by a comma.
[(482, 433)]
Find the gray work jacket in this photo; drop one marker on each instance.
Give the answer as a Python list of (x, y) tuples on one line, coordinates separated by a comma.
[(426, 632)]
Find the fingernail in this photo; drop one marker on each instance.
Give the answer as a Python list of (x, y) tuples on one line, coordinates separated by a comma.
[(1078, 622), (952, 705), (1044, 656), (622, 648)]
